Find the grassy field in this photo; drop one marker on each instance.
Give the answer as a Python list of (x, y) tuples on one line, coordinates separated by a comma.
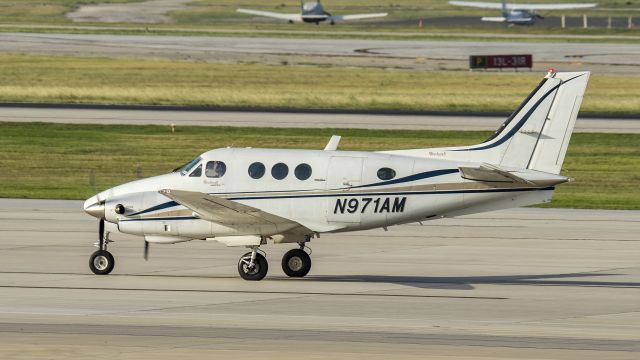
[(26, 78), (43, 11), (208, 15), (60, 161)]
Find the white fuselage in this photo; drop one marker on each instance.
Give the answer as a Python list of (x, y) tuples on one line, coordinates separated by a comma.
[(343, 192)]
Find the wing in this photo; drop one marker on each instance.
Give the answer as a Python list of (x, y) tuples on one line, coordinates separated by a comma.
[(356, 17), (482, 5), (495, 5), (549, 6), (290, 17), (223, 211), (234, 214), (494, 19)]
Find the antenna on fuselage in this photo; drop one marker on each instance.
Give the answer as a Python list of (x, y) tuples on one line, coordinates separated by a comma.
[(333, 143)]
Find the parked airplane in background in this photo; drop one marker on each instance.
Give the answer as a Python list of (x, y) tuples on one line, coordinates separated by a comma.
[(247, 197), (519, 14), (311, 12)]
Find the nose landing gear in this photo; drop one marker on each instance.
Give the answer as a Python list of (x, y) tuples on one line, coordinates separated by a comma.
[(102, 262), (253, 266)]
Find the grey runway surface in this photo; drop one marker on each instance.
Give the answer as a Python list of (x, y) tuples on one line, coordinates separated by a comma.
[(525, 283), (293, 120), (600, 57)]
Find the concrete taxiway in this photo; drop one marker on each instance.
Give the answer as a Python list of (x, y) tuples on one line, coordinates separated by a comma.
[(287, 119), (442, 55), (525, 283)]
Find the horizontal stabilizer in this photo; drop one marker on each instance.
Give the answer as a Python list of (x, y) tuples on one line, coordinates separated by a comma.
[(492, 173)]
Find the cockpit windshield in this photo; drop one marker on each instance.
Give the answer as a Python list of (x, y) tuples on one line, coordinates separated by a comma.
[(188, 166)]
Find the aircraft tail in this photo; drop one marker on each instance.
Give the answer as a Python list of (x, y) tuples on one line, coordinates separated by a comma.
[(504, 8), (537, 134)]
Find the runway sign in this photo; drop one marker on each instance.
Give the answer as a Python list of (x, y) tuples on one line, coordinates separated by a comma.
[(500, 61)]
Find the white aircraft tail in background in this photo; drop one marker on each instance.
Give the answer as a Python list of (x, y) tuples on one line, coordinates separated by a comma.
[(247, 197), (311, 12), (519, 14)]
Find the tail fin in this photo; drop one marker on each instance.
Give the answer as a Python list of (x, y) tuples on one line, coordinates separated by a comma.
[(537, 134), (553, 141), (504, 8)]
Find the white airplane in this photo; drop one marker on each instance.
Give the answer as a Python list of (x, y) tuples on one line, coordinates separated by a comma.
[(248, 197), (519, 14), (311, 12)]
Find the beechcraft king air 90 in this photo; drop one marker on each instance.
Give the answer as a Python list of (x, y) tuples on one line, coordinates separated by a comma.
[(249, 197)]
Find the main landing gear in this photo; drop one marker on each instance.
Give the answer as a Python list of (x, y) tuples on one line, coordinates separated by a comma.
[(295, 263), (102, 262)]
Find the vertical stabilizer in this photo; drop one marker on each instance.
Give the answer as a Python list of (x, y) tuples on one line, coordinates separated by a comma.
[(505, 13), (553, 140), (535, 136)]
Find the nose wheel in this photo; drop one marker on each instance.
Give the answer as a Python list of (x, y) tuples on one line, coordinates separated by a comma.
[(253, 266), (296, 263), (101, 262)]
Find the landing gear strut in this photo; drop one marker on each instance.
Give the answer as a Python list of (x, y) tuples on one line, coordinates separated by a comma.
[(296, 262), (253, 266), (102, 262)]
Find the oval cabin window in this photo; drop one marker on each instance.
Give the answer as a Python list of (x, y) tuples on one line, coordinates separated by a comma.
[(256, 170), (303, 171), (386, 174), (279, 171)]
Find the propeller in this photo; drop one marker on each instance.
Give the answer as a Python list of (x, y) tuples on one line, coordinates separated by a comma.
[(146, 250)]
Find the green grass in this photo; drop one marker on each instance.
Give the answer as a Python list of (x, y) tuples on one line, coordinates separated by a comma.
[(205, 17), (26, 78), (57, 161)]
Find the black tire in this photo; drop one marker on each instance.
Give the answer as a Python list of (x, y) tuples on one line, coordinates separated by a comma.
[(259, 270), (101, 262), (296, 263)]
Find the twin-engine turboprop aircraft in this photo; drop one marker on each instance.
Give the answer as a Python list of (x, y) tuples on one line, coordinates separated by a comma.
[(311, 12), (248, 197)]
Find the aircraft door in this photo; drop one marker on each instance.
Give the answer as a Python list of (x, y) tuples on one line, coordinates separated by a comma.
[(344, 173)]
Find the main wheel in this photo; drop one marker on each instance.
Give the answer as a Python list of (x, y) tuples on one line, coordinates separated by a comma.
[(101, 262), (257, 272), (296, 263)]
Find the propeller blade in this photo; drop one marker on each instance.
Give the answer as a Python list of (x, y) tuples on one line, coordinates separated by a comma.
[(146, 250)]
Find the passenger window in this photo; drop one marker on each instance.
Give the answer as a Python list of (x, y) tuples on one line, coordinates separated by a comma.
[(197, 172), (215, 169), (279, 171), (256, 170), (386, 174), (302, 171)]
